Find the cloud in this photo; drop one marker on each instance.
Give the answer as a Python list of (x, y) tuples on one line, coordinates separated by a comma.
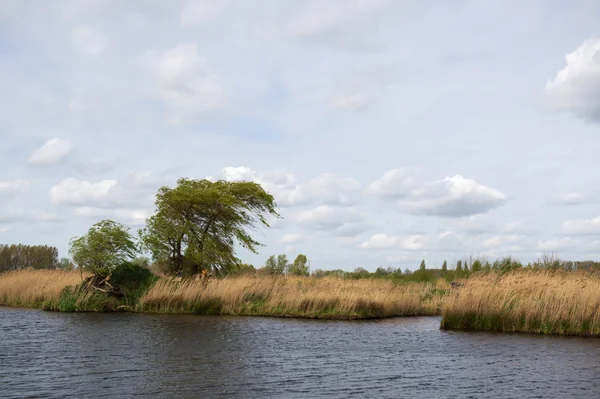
[(88, 41), (574, 199), (185, 82), (557, 244), (21, 215), (341, 23), (9, 189), (583, 227), (72, 191), (453, 197), (197, 11), (576, 87), (325, 189), (292, 238), (132, 190), (383, 241), (52, 152), (396, 183), (326, 217)]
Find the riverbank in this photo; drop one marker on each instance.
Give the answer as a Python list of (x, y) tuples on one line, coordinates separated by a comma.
[(305, 297), (538, 302)]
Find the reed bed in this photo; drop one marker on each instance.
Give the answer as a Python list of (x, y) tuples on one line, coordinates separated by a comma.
[(328, 298), (542, 302), (34, 288)]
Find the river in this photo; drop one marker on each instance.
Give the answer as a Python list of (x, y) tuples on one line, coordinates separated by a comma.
[(60, 355)]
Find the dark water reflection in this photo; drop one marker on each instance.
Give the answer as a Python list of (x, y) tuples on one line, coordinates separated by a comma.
[(52, 355)]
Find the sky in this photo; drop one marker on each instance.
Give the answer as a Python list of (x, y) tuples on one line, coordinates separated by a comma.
[(387, 131)]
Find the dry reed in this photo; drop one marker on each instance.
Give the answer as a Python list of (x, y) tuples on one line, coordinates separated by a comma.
[(34, 288), (294, 297), (543, 302)]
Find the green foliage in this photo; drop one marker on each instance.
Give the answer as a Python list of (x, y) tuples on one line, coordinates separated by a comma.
[(16, 257), (299, 267), (66, 264), (422, 266), (141, 261), (202, 220), (106, 245), (459, 266), (276, 265), (444, 266), (476, 266), (132, 280)]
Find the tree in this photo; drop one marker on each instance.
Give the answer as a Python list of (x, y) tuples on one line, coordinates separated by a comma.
[(300, 266), (444, 266), (198, 223), (107, 245), (422, 266), (276, 265), (459, 266), (476, 266), (65, 264)]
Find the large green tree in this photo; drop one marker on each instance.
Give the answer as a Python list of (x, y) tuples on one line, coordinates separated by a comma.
[(198, 223), (107, 245)]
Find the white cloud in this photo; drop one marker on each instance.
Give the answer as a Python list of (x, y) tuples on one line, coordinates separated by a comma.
[(197, 11), (557, 244), (53, 151), (13, 188), (292, 238), (383, 241), (453, 197), (395, 183), (326, 217), (345, 23), (325, 189), (72, 191), (88, 41), (573, 199), (132, 191), (185, 82), (583, 227), (576, 88)]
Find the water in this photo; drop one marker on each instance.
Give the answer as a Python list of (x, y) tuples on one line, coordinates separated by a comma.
[(58, 355)]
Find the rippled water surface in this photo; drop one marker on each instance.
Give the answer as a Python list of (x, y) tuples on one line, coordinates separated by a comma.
[(57, 355)]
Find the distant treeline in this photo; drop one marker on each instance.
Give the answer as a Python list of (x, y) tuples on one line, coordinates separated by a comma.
[(462, 269), (16, 257)]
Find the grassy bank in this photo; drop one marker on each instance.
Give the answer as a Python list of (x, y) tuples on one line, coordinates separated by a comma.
[(243, 295), (541, 302), (35, 288), (295, 297)]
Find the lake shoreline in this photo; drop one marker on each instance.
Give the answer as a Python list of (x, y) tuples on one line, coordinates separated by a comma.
[(525, 301)]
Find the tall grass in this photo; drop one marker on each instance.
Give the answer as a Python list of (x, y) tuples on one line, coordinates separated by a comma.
[(294, 297), (546, 302), (34, 288)]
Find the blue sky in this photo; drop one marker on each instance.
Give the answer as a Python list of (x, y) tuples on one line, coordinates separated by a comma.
[(388, 131)]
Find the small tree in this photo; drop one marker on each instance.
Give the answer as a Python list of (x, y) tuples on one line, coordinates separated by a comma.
[(476, 266), (299, 267), (107, 245), (444, 266), (422, 266), (459, 266), (65, 264), (276, 265)]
